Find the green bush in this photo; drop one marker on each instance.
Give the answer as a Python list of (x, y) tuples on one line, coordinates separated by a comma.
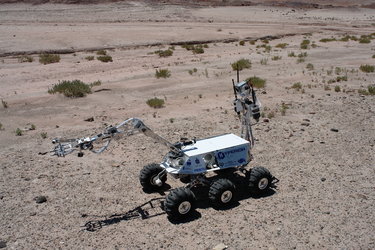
[(341, 78), (162, 73), (257, 82), (275, 58), (192, 71), (197, 49), (242, 43), (43, 135), (24, 58), (305, 44), (155, 102), (291, 54), (297, 86), (75, 88), (89, 58), (326, 40), (49, 58), (310, 66), (164, 53), (18, 132), (105, 58), (101, 52), (281, 45), (5, 104), (337, 88), (367, 68), (241, 64)]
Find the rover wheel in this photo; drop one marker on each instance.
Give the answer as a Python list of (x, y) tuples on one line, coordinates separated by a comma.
[(259, 180), (148, 174), (221, 192), (180, 203)]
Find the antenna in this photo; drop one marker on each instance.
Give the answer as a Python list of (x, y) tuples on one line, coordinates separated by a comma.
[(238, 74)]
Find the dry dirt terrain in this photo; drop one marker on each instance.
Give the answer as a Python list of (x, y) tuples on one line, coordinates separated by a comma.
[(316, 134)]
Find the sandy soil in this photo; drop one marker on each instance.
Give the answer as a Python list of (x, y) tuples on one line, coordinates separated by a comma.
[(325, 198)]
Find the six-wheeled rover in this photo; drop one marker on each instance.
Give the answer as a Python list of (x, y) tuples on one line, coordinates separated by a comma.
[(206, 162)]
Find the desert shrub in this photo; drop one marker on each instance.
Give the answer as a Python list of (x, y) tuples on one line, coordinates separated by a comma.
[(264, 61), (297, 86), (265, 41), (271, 115), (291, 54), (326, 40), (155, 102), (365, 39), (367, 68), (241, 64), (302, 54), (1, 126), (89, 58), (283, 108), (373, 56), (4, 103), (32, 127), (192, 71), (101, 52), (337, 88), (162, 73), (341, 78), (105, 58), (75, 88), (371, 89), (281, 45), (275, 58), (257, 82), (252, 42), (313, 45), (197, 49), (326, 87), (18, 132), (24, 58), (164, 53), (305, 44), (43, 135), (310, 66), (242, 43), (49, 58), (300, 60)]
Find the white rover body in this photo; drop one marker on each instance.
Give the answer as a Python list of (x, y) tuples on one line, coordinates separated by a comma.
[(192, 160)]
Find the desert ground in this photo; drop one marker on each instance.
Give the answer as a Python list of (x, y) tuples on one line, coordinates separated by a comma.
[(316, 133)]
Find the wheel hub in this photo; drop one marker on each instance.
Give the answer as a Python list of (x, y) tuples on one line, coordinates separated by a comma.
[(184, 207), (263, 183), (226, 196)]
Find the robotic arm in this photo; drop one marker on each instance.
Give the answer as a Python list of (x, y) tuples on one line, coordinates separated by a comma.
[(128, 127)]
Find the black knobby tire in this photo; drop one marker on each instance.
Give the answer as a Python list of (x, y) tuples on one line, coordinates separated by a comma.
[(222, 192), (260, 180), (180, 203), (147, 175)]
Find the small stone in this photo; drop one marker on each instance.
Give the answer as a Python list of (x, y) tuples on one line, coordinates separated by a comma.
[(362, 196), (266, 120), (322, 142), (3, 244), (306, 120), (32, 213), (323, 179), (40, 199), (220, 246), (311, 140), (115, 165), (305, 124), (334, 130), (90, 119), (57, 126)]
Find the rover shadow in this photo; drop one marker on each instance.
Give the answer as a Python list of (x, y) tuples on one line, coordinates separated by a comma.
[(195, 215), (161, 190), (149, 209)]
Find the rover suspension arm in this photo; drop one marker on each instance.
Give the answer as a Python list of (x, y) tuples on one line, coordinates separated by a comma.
[(126, 128)]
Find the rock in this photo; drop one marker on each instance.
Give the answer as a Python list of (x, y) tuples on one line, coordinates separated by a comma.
[(3, 244), (334, 130), (57, 126), (306, 120), (40, 199), (323, 179), (220, 246), (310, 140), (90, 119), (266, 120), (305, 124), (362, 196)]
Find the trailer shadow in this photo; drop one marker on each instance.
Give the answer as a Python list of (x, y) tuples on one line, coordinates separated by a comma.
[(147, 210)]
